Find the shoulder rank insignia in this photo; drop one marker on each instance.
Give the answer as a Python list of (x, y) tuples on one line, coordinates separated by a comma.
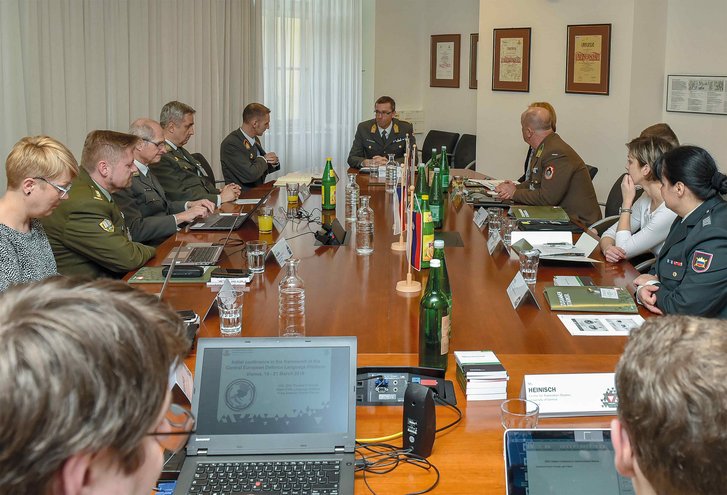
[(97, 195), (549, 172), (107, 225), (396, 128), (707, 221), (701, 261), (373, 128), (247, 144)]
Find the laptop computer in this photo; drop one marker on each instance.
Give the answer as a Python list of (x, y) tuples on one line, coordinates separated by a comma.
[(281, 406), (220, 221), (566, 462)]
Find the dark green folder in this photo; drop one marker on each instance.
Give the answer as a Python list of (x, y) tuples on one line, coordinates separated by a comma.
[(593, 299)]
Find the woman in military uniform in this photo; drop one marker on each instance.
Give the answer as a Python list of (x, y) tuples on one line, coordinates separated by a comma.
[(690, 274)]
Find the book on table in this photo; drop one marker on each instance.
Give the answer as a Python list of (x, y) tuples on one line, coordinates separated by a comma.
[(481, 375), (550, 214), (591, 299)]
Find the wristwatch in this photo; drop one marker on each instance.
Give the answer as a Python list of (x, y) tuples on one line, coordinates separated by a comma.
[(621, 210)]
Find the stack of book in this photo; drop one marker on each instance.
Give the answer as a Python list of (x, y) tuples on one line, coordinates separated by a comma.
[(481, 375)]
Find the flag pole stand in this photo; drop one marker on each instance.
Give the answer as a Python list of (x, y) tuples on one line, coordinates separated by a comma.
[(400, 245), (409, 286)]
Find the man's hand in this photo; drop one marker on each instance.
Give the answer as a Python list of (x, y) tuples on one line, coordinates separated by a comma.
[(642, 279), (647, 295), (505, 190), (188, 215), (205, 203), (614, 254), (230, 193), (271, 158), (377, 161)]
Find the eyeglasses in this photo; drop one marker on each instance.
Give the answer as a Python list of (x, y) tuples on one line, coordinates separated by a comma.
[(63, 190), (378, 112), (157, 144), (179, 423)]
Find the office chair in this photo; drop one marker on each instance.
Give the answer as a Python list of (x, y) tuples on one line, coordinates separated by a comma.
[(464, 153), (611, 206), (437, 139), (207, 168), (592, 171)]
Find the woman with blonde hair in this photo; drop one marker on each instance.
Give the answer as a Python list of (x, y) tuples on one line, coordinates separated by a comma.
[(39, 172)]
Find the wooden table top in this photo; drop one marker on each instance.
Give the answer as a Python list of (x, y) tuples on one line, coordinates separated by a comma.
[(347, 294)]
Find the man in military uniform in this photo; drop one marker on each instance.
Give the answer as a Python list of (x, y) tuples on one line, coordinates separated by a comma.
[(150, 217), (375, 139), (87, 232), (244, 161), (558, 175), (181, 175)]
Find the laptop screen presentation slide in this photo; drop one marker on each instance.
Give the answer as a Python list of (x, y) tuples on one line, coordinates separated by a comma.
[(566, 462)]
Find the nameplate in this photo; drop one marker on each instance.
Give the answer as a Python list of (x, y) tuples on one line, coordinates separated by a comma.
[(184, 380), (382, 172), (574, 394), (494, 242), (480, 217), (519, 292), (281, 250)]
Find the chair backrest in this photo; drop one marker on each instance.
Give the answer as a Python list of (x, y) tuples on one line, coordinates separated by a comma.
[(437, 139), (206, 166), (614, 200), (592, 171), (465, 151)]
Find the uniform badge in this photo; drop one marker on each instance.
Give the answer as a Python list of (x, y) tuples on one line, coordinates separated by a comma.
[(107, 225), (549, 172), (247, 144), (373, 128), (673, 262), (97, 195), (707, 221), (396, 128), (701, 261)]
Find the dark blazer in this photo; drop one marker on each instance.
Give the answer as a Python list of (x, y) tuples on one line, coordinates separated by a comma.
[(692, 264), (147, 211), (243, 163), (88, 235), (367, 143), (525, 165), (559, 177), (183, 178)]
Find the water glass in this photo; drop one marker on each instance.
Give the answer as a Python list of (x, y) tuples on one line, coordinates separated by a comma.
[(256, 251), (229, 304), (508, 225), (519, 413), (292, 189), (529, 261), (494, 218), (265, 219)]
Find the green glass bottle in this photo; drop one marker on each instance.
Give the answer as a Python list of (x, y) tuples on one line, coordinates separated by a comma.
[(422, 186), (444, 282), (434, 321), (433, 162), (444, 169), (328, 189), (436, 200), (427, 232)]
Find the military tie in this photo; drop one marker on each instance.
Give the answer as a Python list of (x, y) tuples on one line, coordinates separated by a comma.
[(383, 135)]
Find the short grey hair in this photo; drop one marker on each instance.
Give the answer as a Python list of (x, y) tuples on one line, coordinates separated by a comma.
[(84, 367), (174, 112), (143, 128)]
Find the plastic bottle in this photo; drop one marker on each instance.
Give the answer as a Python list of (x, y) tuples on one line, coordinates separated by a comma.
[(434, 322), (352, 191), (392, 173), (365, 228), (291, 302)]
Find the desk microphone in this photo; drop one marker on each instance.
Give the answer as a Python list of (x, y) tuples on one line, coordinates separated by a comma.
[(420, 419)]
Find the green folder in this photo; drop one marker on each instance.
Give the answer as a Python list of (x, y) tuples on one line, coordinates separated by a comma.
[(153, 275), (540, 213), (590, 299)]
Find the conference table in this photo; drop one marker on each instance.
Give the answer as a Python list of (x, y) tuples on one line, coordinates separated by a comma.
[(350, 294)]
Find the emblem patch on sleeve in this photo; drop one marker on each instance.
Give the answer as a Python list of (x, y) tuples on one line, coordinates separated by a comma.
[(549, 172), (107, 225), (701, 261)]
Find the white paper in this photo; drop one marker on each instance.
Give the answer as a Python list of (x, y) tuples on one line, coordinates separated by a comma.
[(518, 291), (574, 394), (281, 251), (493, 241), (480, 217), (247, 201), (183, 378), (600, 325), (558, 246)]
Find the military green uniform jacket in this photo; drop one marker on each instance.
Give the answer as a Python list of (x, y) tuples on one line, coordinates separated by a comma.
[(560, 178), (147, 211), (183, 177), (243, 163), (367, 143), (692, 264), (88, 235)]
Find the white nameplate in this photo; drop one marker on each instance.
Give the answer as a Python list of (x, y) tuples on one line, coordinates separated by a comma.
[(281, 250), (184, 380), (494, 241), (575, 394), (480, 217), (519, 292)]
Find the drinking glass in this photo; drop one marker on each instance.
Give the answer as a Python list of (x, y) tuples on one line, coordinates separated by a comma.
[(519, 413), (256, 251)]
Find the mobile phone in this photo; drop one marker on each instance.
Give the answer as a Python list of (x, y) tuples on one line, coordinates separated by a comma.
[(184, 271), (242, 273)]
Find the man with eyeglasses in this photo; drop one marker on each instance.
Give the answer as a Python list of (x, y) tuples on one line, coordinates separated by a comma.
[(88, 232), (150, 216), (377, 138), (85, 388), (182, 176)]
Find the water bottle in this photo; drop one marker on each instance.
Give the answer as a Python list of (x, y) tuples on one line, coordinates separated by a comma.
[(291, 302), (365, 228), (392, 173), (352, 190)]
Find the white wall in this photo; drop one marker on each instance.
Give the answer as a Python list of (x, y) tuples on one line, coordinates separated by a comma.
[(402, 39)]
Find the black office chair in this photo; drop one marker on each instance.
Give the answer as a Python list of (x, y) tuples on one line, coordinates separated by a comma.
[(437, 139), (611, 206), (464, 153), (207, 168), (592, 171)]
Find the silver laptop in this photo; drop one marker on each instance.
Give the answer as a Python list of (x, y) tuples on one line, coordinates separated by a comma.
[(197, 253), (219, 221), (566, 462), (281, 406)]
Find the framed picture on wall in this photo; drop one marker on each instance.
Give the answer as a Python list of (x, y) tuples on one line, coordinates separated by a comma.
[(588, 59), (474, 42), (511, 59), (444, 61)]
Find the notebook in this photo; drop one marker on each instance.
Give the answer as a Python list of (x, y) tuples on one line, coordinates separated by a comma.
[(273, 400), (220, 221), (566, 462)]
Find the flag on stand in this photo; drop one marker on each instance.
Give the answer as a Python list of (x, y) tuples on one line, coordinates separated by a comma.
[(415, 254)]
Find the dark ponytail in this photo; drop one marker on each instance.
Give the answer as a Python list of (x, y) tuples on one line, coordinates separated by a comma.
[(695, 168)]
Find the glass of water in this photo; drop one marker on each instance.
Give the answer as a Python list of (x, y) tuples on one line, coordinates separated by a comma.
[(494, 218), (508, 225), (519, 413), (529, 261), (229, 304), (256, 251)]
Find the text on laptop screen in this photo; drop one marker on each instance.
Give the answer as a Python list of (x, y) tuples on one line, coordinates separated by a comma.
[(272, 390)]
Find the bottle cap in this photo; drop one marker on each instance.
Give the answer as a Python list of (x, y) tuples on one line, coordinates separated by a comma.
[(435, 263), (425, 197), (439, 244), (444, 148), (436, 169)]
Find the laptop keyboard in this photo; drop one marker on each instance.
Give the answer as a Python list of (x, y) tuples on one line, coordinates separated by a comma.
[(202, 254), (267, 478), (226, 222)]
